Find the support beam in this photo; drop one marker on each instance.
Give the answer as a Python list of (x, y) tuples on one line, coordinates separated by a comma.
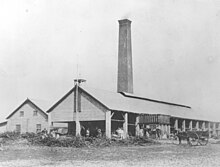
[(137, 127), (112, 114), (214, 129), (217, 129), (184, 125), (190, 125), (108, 124), (197, 125), (76, 110), (78, 129), (209, 128), (163, 129), (203, 125), (168, 130), (176, 124), (125, 125)]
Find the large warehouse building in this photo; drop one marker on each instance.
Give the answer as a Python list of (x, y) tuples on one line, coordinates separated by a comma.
[(94, 108)]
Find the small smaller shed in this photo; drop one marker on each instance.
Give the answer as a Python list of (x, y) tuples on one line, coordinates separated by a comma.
[(3, 126)]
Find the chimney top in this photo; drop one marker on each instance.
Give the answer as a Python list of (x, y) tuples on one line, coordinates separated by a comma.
[(124, 21)]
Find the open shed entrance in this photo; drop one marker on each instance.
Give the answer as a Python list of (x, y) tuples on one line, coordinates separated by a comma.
[(118, 121), (92, 126)]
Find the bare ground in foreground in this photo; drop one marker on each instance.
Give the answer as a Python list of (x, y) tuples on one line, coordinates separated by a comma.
[(22, 155)]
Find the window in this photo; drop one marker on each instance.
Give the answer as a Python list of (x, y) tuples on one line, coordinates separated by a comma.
[(35, 113), (18, 128), (21, 113), (38, 128)]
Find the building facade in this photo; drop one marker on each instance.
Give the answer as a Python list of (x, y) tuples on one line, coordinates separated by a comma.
[(28, 117), (86, 108)]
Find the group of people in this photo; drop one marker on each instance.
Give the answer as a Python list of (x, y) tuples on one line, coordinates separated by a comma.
[(143, 132), (87, 132), (118, 133), (148, 131)]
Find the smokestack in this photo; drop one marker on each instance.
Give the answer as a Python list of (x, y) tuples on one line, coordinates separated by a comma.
[(125, 74)]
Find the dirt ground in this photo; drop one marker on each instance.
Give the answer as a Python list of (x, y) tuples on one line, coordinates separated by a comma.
[(22, 155)]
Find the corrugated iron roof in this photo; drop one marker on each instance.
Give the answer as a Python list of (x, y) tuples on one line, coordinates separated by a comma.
[(135, 104), (140, 105)]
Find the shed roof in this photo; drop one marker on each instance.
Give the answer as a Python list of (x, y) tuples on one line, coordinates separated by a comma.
[(140, 105), (3, 123)]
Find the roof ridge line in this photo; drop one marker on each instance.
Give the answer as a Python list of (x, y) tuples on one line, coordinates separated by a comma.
[(152, 100)]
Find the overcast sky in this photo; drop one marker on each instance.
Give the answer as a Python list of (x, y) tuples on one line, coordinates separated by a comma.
[(175, 47)]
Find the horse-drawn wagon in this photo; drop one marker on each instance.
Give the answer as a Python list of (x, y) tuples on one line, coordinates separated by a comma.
[(193, 138)]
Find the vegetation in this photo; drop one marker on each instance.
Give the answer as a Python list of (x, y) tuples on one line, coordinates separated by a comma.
[(73, 141)]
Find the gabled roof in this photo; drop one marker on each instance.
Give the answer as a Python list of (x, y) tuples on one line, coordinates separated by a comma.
[(130, 103), (59, 101), (42, 104), (135, 104), (139, 105), (26, 102)]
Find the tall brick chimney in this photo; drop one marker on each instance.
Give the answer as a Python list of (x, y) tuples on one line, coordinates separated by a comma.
[(125, 73)]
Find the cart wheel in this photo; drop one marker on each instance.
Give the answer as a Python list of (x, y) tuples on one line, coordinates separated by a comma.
[(175, 140), (203, 140), (193, 139)]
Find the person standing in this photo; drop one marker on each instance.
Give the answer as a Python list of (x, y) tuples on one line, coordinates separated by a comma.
[(87, 132)]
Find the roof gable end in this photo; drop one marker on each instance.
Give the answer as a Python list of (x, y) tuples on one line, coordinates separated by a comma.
[(26, 102), (71, 91)]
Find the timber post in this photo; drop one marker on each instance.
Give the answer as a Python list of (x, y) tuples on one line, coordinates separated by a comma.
[(108, 124), (209, 128), (77, 110), (184, 125), (214, 129), (197, 125), (190, 125), (203, 125), (168, 130), (137, 127), (176, 124), (125, 125), (217, 129)]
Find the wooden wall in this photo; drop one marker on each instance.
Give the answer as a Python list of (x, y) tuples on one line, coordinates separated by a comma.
[(64, 111), (89, 109), (28, 122), (154, 119)]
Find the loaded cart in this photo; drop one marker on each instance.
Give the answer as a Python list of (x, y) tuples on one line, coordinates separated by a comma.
[(193, 138)]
